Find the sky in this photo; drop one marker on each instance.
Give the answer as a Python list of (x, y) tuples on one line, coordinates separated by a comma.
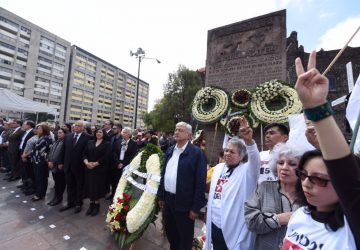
[(175, 32)]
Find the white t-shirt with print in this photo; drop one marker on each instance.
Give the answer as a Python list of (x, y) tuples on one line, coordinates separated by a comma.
[(216, 204), (265, 172), (304, 232)]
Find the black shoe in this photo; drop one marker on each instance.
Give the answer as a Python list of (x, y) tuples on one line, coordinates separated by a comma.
[(67, 207), (29, 192), (13, 179), (77, 209), (36, 198), (21, 186), (96, 209), (91, 208), (55, 201), (110, 197)]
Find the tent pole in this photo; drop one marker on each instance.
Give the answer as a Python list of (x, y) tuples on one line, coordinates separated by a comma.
[(37, 117)]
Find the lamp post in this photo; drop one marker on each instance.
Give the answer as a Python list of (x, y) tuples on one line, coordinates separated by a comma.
[(140, 55)]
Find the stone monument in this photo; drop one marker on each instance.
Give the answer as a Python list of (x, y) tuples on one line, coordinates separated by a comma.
[(244, 55)]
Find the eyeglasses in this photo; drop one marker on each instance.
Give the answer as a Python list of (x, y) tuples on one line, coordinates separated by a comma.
[(229, 151), (321, 182)]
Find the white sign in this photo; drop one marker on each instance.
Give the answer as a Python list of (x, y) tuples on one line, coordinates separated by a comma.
[(338, 101), (350, 76)]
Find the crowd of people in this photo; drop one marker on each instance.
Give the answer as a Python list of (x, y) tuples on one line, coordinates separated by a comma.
[(282, 198), (86, 161)]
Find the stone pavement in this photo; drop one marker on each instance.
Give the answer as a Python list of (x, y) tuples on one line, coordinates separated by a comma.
[(25, 224)]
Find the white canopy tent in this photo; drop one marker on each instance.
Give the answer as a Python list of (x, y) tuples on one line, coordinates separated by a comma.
[(13, 102)]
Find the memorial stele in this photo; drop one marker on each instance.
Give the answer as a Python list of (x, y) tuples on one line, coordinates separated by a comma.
[(244, 55)]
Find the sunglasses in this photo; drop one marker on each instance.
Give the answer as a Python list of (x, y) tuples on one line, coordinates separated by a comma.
[(321, 182)]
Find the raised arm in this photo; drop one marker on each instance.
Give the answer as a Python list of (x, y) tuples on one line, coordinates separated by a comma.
[(312, 88)]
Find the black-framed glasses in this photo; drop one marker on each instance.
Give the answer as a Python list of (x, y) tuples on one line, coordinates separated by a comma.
[(321, 182)]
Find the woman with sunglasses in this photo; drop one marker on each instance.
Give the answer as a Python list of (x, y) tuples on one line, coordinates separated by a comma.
[(269, 208), (330, 183)]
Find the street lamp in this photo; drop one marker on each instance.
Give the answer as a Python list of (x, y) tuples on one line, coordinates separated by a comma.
[(140, 55)]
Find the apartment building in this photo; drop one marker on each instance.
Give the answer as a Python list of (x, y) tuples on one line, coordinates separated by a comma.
[(43, 67), (33, 62), (99, 91)]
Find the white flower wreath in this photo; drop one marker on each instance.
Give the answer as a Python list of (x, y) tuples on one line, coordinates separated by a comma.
[(205, 97), (268, 91)]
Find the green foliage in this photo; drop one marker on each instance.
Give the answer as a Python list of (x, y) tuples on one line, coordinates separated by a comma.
[(147, 152), (175, 106)]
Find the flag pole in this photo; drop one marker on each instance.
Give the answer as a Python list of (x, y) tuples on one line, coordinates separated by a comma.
[(355, 132)]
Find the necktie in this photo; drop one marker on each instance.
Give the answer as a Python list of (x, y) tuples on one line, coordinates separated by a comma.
[(75, 139)]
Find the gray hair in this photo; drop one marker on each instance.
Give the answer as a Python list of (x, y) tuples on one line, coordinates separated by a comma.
[(241, 148), (128, 129), (188, 126), (284, 149)]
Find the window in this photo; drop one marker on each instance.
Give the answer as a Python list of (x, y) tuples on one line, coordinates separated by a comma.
[(332, 83), (8, 46), (5, 20), (28, 31)]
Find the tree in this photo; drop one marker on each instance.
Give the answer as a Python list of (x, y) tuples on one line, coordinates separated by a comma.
[(175, 106)]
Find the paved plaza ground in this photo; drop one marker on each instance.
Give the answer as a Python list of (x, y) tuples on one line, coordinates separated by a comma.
[(25, 224)]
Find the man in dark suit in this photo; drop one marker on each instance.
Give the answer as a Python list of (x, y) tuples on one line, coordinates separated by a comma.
[(14, 141), (115, 143), (74, 146), (24, 164), (182, 188), (125, 151), (108, 126)]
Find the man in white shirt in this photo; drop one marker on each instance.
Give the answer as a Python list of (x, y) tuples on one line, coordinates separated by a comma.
[(274, 133), (182, 188)]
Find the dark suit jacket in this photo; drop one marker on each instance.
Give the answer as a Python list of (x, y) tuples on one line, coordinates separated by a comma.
[(15, 140), (130, 152), (190, 181), (73, 154), (28, 136)]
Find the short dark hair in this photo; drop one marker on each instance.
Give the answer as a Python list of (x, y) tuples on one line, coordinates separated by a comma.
[(104, 134), (18, 122), (335, 219), (110, 121), (118, 125), (284, 130), (30, 123), (65, 130)]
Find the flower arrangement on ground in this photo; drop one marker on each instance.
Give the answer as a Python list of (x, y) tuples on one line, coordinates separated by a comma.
[(128, 216), (209, 105)]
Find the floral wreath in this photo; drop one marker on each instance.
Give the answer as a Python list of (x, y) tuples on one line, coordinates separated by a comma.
[(270, 91), (209, 105), (241, 97), (128, 217)]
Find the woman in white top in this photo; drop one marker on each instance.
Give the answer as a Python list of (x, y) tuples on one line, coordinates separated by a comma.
[(232, 183), (331, 182)]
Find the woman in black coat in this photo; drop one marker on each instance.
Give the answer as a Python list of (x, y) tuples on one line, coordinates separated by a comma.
[(96, 157)]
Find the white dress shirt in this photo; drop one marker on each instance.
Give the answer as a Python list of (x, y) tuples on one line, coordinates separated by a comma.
[(23, 138), (171, 169)]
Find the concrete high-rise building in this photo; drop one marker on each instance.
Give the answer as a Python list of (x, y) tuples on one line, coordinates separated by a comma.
[(33, 62), (43, 67), (99, 91)]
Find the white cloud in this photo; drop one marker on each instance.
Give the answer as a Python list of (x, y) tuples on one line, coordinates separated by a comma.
[(337, 37), (324, 15)]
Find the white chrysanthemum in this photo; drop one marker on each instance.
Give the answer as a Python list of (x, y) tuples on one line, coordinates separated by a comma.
[(139, 214)]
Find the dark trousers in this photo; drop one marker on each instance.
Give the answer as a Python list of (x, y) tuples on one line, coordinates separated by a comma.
[(41, 173), (4, 158), (179, 228), (75, 187), (60, 184), (28, 174), (14, 158), (114, 178), (217, 238)]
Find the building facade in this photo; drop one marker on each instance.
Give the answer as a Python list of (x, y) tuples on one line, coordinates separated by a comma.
[(34, 63), (99, 91), (43, 67)]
